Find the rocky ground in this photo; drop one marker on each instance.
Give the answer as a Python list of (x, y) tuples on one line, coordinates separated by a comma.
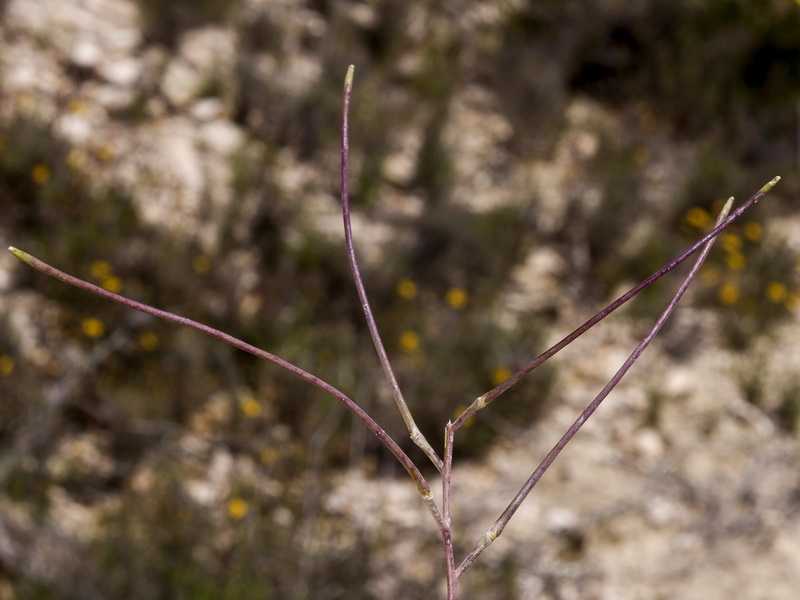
[(684, 484)]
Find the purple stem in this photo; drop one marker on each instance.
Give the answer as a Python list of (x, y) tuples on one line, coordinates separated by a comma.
[(413, 430), (372, 425), (497, 528), (492, 395)]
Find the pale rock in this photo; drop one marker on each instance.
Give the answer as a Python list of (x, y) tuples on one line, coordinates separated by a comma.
[(533, 284), (560, 520), (649, 444), (112, 97), (474, 137), (202, 492), (300, 75), (209, 49), (122, 72), (661, 511), (7, 264), (86, 53), (110, 25), (207, 109), (222, 137), (181, 82), (76, 128)]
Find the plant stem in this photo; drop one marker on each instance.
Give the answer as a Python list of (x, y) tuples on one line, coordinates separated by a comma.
[(497, 528), (447, 473), (413, 430), (492, 395), (422, 485)]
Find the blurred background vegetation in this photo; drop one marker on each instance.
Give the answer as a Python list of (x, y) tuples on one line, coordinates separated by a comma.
[(202, 468)]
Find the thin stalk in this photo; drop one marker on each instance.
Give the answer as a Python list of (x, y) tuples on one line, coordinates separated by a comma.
[(497, 528), (450, 564), (447, 473), (371, 424), (413, 430), (493, 394)]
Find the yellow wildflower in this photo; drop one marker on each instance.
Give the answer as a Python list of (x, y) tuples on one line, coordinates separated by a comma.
[(100, 269), (406, 289), (409, 341), (250, 406), (76, 158), (237, 508), (729, 293), (6, 364), (105, 153), (268, 455), (41, 174), (753, 231), (698, 218), (456, 297), (149, 341), (92, 327), (735, 261), (112, 284), (731, 242), (500, 374), (201, 264), (777, 292), (76, 105)]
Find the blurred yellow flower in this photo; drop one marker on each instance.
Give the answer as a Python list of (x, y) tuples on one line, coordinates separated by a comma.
[(729, 293), (237, 508), (76, 105), (268, 455), (105, 153), (753, 231), (92, 327), (149, 341), (41, 174), (777, 292), (500, 374), (100, 269), (735, 261), (6, 364), (201, 263), (250, 406), (409, 341), (406, 289), (731, 242), (112, 284), (698, 217), (76, 158), (456, 297)]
